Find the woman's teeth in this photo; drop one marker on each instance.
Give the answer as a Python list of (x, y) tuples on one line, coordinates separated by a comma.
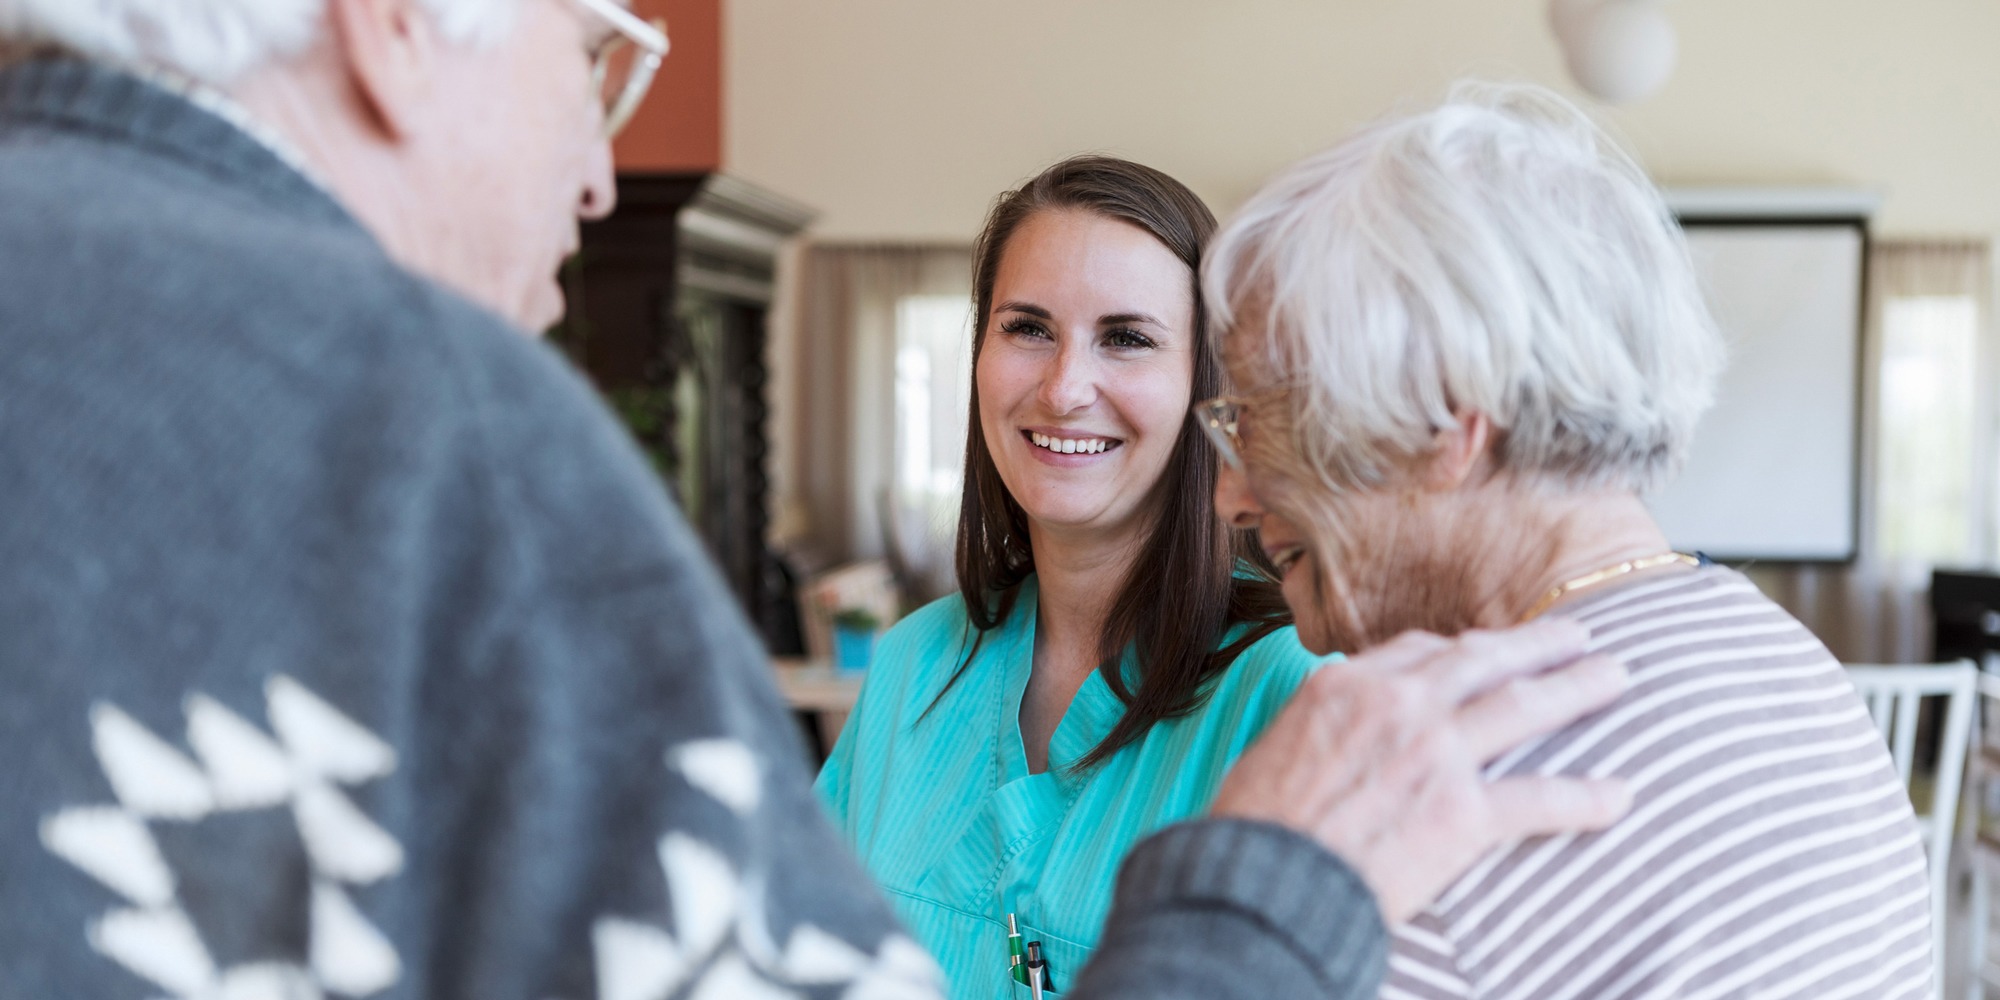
[(1070, 446)]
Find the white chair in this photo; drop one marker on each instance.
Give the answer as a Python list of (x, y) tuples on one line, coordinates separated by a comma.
[(1894, 694), (1981, 776)]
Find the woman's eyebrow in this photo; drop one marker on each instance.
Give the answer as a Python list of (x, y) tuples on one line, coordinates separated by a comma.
[(1116, 319), (1111, 319)]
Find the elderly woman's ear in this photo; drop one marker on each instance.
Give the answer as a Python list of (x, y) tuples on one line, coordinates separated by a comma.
[(388, 50), (1458, 453)]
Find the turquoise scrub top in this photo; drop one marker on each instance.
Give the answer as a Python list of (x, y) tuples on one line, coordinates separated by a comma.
[(946, 816)]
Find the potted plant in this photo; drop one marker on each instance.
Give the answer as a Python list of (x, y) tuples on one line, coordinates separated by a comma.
[(854, 638)]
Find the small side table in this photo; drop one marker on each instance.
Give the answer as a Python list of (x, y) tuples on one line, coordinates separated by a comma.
[(821, 695)]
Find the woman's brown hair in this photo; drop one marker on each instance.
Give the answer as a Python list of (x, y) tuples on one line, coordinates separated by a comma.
[(1184, 591)]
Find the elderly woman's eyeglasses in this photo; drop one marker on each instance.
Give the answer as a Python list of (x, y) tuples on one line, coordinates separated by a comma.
[(1221, 419), (625, 63)]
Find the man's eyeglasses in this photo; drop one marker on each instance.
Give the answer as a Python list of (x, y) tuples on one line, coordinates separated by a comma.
[(625, 63), (1221, 419)]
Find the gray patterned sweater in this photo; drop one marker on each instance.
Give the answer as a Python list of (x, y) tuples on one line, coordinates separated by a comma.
[(347, 647)]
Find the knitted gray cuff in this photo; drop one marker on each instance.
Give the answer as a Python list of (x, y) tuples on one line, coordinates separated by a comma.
[(1299, 892)]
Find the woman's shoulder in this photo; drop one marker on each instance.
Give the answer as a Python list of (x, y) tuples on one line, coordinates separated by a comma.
[(1279, 653), (1241, 700), (938, 623), (1268, 670), (923, 643)]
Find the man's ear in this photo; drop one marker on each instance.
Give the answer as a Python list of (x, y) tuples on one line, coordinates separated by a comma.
[(1459, 452), (389, 53)]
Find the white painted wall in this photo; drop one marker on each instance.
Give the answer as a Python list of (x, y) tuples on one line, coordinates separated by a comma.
[(902, 119)]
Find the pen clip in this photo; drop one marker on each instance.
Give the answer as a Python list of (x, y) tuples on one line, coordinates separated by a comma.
[(1037, 966)]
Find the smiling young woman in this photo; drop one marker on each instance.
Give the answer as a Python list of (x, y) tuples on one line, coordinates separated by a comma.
[(1114, 646)]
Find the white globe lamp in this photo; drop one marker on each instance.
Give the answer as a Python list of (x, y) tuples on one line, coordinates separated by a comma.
[(1620, 51)]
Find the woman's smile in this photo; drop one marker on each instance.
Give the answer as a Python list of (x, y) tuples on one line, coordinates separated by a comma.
[(1069, 449)]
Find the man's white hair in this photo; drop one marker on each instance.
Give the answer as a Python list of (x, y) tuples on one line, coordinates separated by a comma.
[(1497, 253), (213, 41)]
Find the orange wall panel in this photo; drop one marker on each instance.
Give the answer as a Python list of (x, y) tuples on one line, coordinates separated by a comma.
[(679, 128)]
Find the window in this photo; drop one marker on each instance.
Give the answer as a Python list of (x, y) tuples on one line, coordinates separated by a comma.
[(1933, 442), (1927, 473), (933, 389)]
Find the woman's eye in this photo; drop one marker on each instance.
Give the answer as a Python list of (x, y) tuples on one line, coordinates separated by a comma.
[(1025, 328), (1128, 339)]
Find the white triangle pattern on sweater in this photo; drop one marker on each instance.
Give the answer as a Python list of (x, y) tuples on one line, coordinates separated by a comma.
[(240, 769)]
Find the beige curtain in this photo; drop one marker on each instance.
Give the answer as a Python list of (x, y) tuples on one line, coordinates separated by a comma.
[(1877, 610), (834, 370)]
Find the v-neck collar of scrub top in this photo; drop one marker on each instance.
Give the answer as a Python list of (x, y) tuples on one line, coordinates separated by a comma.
[(1091, 715), (1024, 811)]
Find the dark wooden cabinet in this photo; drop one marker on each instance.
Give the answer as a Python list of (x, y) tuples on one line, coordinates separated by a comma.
[(669, 298)]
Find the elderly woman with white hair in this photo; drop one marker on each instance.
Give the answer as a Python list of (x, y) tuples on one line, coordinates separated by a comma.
[(351, 648), (1465, 343)]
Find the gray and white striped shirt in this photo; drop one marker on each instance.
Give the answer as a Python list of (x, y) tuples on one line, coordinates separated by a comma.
[(1771, 850)]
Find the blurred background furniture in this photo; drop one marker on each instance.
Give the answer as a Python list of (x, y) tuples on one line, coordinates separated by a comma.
[(1965, 616), (1982, 867), (1895, 695), (669, 301), (816, 689), (1965, 623), (822, 696), (868, 585)]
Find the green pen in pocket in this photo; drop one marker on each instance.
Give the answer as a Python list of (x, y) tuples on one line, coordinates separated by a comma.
[(1019, 971)]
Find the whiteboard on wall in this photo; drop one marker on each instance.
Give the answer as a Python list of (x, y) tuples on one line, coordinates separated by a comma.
[(1774, 470)]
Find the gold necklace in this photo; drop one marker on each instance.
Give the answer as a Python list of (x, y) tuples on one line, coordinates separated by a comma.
[(1593, 579)]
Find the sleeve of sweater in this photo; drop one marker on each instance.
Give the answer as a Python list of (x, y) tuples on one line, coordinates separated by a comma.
[(1223, 909)]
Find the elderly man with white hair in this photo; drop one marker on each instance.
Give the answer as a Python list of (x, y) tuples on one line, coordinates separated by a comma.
[(1466, 342), (351, 649)]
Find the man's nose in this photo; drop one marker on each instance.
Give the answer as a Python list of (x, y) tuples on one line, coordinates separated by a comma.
[(600, 184), (1234, 501)]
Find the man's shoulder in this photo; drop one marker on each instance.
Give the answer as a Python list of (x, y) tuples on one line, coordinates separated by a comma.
[(108, 240), (269, 337), (106, 219)]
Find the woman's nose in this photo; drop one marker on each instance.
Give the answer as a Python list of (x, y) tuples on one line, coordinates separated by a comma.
[(1234, 502), (1071, 384)]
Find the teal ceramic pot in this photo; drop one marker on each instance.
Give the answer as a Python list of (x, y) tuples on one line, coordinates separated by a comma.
[(853, 648)]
